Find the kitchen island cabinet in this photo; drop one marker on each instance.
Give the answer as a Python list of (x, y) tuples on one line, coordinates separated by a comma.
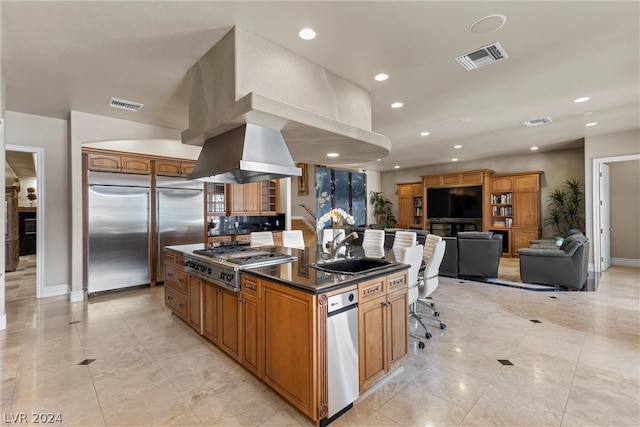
[(276, 326), (221, 318), (382, 327)]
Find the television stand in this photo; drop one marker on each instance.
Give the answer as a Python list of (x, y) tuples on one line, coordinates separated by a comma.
[(449, 228)]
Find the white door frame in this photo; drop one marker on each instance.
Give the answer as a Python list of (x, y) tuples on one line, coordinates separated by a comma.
[(39, 153), (596, 200)]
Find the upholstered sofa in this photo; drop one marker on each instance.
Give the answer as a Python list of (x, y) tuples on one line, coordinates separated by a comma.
[(565, 266), (551, 243), (472, 254)]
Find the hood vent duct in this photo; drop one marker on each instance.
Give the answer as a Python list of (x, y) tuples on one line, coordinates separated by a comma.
[(248, 153)]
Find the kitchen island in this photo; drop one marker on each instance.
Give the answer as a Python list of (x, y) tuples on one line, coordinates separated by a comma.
[(276, 324)]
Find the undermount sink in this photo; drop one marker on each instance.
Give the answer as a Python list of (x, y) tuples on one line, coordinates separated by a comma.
[(352, 266)]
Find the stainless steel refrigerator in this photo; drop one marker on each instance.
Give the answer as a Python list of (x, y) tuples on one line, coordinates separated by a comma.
[(180, 215), (118, 231)]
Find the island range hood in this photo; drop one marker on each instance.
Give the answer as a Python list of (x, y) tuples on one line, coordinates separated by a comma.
[(247, 96), (248, 153)]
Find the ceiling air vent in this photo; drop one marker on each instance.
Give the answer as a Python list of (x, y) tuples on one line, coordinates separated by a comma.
[(537, 122), (124, 105), (481, 57)]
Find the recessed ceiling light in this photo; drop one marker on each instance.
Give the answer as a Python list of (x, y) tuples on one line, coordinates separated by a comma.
[(381, 77), (396, 167), (424, 133), (307, 34), (534, 148), (583, 99), (378, 160), (397, 105), (333, 154), (488, 24), (591, 124), (457, 146), (454, 160)]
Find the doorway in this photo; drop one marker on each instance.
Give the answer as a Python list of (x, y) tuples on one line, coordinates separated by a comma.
[(601, 229), (38, 157)]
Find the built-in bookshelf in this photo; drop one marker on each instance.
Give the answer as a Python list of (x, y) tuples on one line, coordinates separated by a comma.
[(502, 209), (417, 209)]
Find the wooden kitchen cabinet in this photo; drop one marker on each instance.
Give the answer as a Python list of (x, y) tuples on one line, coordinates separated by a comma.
[(169, 167), (218, 239), (410, 206), (251, 338), (210, 318), (452, 179), (221, 318), (216, 199), (245, 199), (289, 345), (516, 209), (176, 285), (269, 197), (194, 299), (118, 163), (382, 327)]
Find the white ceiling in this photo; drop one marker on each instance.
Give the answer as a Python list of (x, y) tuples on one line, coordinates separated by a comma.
[(62, 56)]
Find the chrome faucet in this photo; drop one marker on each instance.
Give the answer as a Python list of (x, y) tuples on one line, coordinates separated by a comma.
[(352, 236)]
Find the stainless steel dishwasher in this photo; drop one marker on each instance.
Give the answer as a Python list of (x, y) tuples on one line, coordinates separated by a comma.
[(342, 349)]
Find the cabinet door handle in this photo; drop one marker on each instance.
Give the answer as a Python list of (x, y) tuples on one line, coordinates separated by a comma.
[(169, 297), (250, 286)]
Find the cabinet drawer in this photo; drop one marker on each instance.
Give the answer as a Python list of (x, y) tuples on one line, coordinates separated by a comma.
[(176, 278), (243, 238), (251, 286), (524, 236), (175, 301), (371, 289), (169, 258), (397, 281)]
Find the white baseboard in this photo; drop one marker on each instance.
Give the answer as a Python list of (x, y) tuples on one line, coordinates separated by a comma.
[(76, 296), (3, 321), (626, 262), (55, 291)]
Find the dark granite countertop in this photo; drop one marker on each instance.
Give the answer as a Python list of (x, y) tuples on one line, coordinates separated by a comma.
[(298, 274)]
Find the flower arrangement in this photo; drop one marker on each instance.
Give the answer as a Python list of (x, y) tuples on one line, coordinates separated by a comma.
[(31, 194), (336, 215)]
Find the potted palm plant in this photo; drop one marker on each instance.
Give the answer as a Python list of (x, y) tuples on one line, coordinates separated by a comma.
[(565, 209), (382, 210)]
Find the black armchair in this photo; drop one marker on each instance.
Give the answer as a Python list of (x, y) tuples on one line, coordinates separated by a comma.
[(479, 254), (567, 266)]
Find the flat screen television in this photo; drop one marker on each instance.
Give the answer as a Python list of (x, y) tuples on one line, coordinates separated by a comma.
[(455, 202)]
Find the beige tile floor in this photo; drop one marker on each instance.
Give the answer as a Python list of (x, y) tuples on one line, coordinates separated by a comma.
[(578, 366)]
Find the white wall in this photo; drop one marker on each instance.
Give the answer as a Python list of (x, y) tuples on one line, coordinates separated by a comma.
[(624, 196), (557, 167), (86, 128), (3, 315), (52, 136), (611, 145)]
